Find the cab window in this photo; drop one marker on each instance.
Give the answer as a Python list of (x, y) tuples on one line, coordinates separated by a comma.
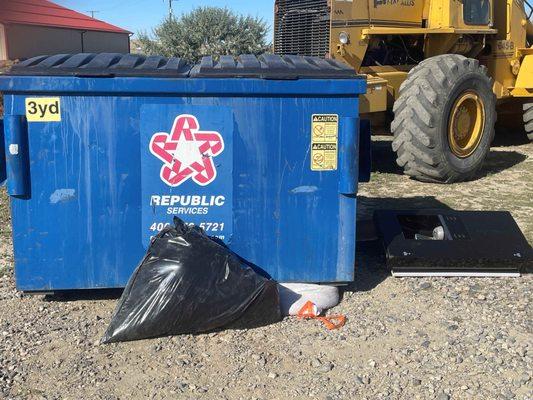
[(476, 12)]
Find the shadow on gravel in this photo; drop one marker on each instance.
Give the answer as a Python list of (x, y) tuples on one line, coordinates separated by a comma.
[(507, 137), (384, 159), (370, 265), (84, 295), (367, 205), (499, 161)]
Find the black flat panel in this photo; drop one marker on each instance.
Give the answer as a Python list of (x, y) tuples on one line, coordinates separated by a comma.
[(474, 241)]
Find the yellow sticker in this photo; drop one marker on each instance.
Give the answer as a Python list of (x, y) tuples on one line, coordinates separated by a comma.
[(324, 142), (43, 109)]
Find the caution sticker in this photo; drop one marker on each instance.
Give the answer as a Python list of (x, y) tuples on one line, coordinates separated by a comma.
[(324, 142), (43, 109)]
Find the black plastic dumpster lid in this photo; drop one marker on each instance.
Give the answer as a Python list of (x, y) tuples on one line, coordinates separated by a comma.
[(271, 66), (267, 66), (103, 64)]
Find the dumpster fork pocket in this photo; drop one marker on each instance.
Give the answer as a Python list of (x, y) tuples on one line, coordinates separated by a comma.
[(348, 156), (17, 156), (3, 171), (348, 183)]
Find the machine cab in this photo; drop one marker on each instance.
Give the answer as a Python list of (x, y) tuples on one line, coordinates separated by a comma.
[(462, 14), (476, 12)]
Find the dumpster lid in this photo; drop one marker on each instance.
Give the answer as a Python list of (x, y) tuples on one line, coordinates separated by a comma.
[(267, 66), (272, 66), (102, 64)]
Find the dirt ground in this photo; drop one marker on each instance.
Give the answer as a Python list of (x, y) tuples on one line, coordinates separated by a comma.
[(405, 338)]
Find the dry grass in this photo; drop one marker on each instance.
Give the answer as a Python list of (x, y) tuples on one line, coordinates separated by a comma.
[(505, 183), (6, 252)]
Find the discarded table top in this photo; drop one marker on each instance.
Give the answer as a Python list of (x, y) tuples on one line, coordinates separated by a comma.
[(453, 243)]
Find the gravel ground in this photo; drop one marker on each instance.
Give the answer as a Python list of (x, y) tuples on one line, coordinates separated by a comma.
[(404, 339)]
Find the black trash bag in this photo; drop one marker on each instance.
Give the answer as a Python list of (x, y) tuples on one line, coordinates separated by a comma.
[(188, 283)]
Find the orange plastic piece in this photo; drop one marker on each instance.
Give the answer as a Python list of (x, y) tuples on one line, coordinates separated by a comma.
[(333, 322), (310, 311)]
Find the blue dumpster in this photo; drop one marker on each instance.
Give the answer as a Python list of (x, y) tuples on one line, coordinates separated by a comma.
[(102, 151)]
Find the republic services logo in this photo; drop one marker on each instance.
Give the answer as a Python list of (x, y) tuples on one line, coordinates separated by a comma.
[(187, 152)]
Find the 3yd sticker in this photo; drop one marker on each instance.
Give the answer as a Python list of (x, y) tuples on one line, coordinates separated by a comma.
[(43, 109), (324, 142)]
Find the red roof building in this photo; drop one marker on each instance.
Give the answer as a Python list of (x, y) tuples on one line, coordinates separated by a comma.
[(35, 27)]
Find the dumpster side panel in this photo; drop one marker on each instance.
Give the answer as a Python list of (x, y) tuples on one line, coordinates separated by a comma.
[(286, 217), (309, 203), (82, 225)]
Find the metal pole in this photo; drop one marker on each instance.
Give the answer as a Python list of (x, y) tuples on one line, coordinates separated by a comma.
[(170, 10)]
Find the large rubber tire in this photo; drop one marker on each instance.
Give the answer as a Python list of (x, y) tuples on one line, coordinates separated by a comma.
[(422, 114), (528, 120)]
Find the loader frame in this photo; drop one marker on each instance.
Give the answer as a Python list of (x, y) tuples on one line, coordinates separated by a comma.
[(435, 27)]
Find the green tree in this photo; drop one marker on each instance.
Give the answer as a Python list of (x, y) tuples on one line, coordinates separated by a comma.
[(206, 31)]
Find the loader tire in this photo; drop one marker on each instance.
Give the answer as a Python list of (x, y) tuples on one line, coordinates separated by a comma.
[(444, 120), (528, 120)]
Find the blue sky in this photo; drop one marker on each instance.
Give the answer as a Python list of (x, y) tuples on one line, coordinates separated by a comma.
[(137, 15)]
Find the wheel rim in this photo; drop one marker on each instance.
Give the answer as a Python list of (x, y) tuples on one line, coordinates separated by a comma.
[(467, 121)]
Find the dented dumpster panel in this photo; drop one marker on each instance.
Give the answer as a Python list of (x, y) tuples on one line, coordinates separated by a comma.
[(126, 154)]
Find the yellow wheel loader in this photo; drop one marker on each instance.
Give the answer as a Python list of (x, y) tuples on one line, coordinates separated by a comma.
[(439, 67)]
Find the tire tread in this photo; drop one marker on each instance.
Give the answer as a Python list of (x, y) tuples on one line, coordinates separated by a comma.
[(416, 116), (528, 120)]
